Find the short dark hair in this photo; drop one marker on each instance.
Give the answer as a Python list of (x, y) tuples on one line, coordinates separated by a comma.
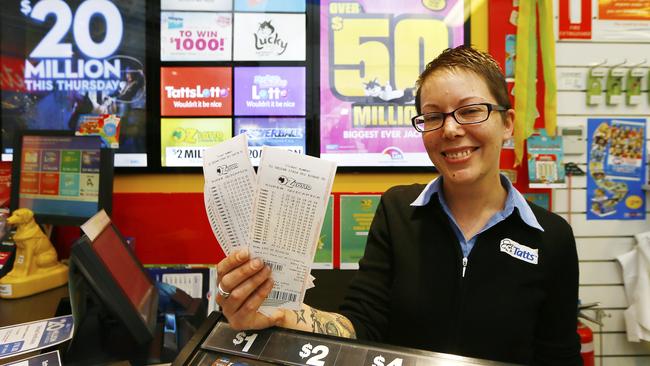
[(470, 59)]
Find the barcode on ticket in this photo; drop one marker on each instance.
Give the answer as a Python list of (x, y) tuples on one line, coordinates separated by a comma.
[(275, 266), (283, 296)]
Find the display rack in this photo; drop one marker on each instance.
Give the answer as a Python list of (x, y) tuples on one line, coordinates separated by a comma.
[(216, 343)]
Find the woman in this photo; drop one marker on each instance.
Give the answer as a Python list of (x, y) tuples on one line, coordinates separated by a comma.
[(463, 265)]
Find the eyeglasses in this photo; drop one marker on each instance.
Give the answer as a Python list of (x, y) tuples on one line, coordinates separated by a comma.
[(465, 115)]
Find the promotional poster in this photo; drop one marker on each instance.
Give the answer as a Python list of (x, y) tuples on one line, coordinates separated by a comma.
[(269, 37), (616, 164), (287, 133), (29, 337), (195, 36), (289, 6), (357, 212), (62, 60), (182, 140), (195, 91), (196, 5), (371, 55), (270, 91), (323, 259), (604, 20)]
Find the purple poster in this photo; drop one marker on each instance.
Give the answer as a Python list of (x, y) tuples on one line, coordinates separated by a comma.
[(270, 91), (371, 55)]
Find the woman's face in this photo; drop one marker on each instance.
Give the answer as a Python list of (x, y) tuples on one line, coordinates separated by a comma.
[(463, 154)]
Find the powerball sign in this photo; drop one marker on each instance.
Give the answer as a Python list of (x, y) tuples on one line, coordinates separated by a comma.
[(371, 55)]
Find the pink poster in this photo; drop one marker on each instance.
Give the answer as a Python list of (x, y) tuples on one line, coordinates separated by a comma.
[(371, 55)]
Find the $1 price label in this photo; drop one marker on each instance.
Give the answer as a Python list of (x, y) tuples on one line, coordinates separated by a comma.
[(244, 339), (250, 343), (224, 338)]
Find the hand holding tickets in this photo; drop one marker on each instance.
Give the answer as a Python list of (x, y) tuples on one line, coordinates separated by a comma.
[(277, 216)]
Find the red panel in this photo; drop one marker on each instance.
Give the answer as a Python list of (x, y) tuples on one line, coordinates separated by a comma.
[(123, 268), (498, 27), (581, 30), (168, 227), (5, 183)]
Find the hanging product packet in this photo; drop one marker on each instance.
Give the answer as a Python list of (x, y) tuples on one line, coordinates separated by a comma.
[(595, 85)]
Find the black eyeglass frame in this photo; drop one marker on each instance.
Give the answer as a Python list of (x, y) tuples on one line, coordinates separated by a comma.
[(490, 107)]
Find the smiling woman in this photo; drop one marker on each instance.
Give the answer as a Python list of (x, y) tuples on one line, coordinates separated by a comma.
[(448, 266), (464, 153)]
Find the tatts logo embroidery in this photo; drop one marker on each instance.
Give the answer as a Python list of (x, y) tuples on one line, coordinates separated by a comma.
[(519, 251)]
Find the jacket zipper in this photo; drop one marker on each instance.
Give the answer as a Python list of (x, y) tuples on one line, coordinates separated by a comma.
[(464, 265)]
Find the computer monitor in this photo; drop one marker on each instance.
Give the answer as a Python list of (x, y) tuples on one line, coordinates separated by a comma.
[(64, 179), (108, 282)]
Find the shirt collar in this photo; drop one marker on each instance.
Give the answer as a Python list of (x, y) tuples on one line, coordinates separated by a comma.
[(513, 200)]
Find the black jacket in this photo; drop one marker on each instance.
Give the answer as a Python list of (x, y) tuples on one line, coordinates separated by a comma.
[(409, 290)]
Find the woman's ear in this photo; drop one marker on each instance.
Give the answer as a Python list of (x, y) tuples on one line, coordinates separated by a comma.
[(508, 123)]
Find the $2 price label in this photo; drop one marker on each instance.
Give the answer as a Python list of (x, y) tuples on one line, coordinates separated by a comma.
[(315, 355)]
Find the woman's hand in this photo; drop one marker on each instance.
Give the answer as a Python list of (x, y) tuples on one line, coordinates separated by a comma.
[(249, 283)]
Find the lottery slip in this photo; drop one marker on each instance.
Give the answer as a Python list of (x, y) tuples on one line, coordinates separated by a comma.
[(288, 211), (228, 192), (276, 214)]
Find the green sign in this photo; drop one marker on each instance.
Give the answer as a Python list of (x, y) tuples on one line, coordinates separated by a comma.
[(357, 213), (323, 256)]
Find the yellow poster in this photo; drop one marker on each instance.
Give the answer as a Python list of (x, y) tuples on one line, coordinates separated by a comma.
[(182, 140)]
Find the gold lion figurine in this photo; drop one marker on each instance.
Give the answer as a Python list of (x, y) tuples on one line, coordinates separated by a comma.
[(36, 267)]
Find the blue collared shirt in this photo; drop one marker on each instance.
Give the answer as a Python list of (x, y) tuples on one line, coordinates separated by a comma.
[(514, 199)]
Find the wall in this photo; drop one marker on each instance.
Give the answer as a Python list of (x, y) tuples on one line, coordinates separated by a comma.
[(599, 242)]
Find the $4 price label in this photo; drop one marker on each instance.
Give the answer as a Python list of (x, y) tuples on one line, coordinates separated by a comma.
[(382, 361), (382, 358)]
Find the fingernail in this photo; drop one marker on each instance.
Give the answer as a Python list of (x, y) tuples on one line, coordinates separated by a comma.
[(256, 263), (242, 254)]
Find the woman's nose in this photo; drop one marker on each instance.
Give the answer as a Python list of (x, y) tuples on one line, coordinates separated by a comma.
[(451, 128)]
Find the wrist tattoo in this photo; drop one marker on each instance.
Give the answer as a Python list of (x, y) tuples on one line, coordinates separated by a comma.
[(344, 323), (300, 316), (330, 324)]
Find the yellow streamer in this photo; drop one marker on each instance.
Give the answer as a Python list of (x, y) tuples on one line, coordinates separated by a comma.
[(526, 72)]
